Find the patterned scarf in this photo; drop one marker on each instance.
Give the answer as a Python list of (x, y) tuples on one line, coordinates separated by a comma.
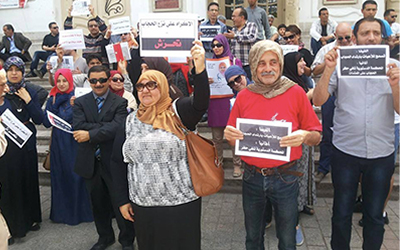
[(15, 61)]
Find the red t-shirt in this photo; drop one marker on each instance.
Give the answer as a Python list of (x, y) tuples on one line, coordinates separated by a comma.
[(291, 106)]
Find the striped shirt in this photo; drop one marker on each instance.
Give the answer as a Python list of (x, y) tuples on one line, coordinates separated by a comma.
[(243, 40)]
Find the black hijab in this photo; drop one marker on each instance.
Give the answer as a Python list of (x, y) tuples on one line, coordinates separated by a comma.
[(290, 69)]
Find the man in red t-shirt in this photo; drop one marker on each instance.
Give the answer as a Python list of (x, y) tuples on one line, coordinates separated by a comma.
[(277, 99)]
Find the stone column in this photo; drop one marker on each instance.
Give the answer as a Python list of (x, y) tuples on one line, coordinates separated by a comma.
[(291, 11), (393, 4)]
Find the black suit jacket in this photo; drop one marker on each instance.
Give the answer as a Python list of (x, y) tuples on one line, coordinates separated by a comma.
[(102, 128), (21, 42)]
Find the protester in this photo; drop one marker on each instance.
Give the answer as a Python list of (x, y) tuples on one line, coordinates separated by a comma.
[(49, 45), (94, 41), (278, 37), (222, 19), (242, 37), (165, 208), (117, 83), (219, 108), (390, 16), (69, 198), (259, 16), (322, 30), (19, 166), (273, 29), (14, 44), (357, 154), (265, 179)]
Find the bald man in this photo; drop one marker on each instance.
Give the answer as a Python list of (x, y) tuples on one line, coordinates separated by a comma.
[(343, 35)]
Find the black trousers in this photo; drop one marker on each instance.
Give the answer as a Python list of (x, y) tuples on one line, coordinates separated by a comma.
[(100, 189), (5, 56)]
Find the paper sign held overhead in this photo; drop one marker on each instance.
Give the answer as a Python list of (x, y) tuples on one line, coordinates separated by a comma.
[(167, 34), (80, 8), (367, 61), (67, 63), (261, 139), (72, 39), (120, 25), (118, 52)]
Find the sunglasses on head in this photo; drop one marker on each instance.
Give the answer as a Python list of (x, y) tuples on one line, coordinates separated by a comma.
[(289, 37), (149, 86), (340, 38), (233, 83), (218, 45), (100, 80), (116, 79)]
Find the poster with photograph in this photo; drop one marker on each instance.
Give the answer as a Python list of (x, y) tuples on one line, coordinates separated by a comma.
[(67, 63), (167, 34), (261, 139), (216, 70), (80, 8)]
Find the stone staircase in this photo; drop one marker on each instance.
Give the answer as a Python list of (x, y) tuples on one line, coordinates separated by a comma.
[(231, 185)]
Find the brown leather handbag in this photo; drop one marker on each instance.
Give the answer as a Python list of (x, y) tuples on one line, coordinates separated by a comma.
[(205, 169)]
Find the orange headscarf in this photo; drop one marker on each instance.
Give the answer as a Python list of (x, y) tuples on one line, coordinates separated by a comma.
[(160, 115)]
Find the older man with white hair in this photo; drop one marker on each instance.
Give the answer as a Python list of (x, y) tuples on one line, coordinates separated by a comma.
[(272, 98)]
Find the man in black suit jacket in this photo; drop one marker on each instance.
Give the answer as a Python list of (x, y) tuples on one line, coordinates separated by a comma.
[(21, 43), (95, 123)]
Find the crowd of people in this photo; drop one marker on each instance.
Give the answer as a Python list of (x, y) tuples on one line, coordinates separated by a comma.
[(125, 156)]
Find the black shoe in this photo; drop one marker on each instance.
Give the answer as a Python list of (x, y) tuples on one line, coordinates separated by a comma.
[(35, 227), (30, 74), (38, 73), (361, 223), (358, 205), (386, 218), (130, 247), (11, 241), (308, 210), (101, 245)]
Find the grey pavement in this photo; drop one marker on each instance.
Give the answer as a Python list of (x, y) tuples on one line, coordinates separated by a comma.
[(222, 228)]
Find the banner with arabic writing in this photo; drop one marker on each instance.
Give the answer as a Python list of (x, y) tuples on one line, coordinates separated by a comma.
[(367, 61), (167, 34)]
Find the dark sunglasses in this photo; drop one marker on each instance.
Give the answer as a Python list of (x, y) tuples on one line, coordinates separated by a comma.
[(149, 86), (346, 37), (124, 34), (56, 27), (100, 80), (394, 16), (237, 79), (218, 45), (116, 79), (289, 37)]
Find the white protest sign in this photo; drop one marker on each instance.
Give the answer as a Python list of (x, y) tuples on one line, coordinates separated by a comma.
[(216, 70), (167, 34), (80, 8), (67, 63), (289, 48), (367, 61), (118, 52), (15, 130), (177, 59), (120, 25), (8, 4), (209, 32), (72, 39), (59, 123), (261, 139), (80, 91)]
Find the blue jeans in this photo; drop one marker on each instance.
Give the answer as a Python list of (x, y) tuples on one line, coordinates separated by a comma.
[(317, 45), (325, 146), (376, 175), (282, 191), (40, 55)]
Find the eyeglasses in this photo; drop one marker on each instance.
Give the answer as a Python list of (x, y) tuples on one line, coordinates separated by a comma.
[(93, 26), (235, 81), (149, 86), (100, 80), (346, 37), (116, 79), (54, 28), (289, 37), (218, 45), (395, 16), (124, 34)]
